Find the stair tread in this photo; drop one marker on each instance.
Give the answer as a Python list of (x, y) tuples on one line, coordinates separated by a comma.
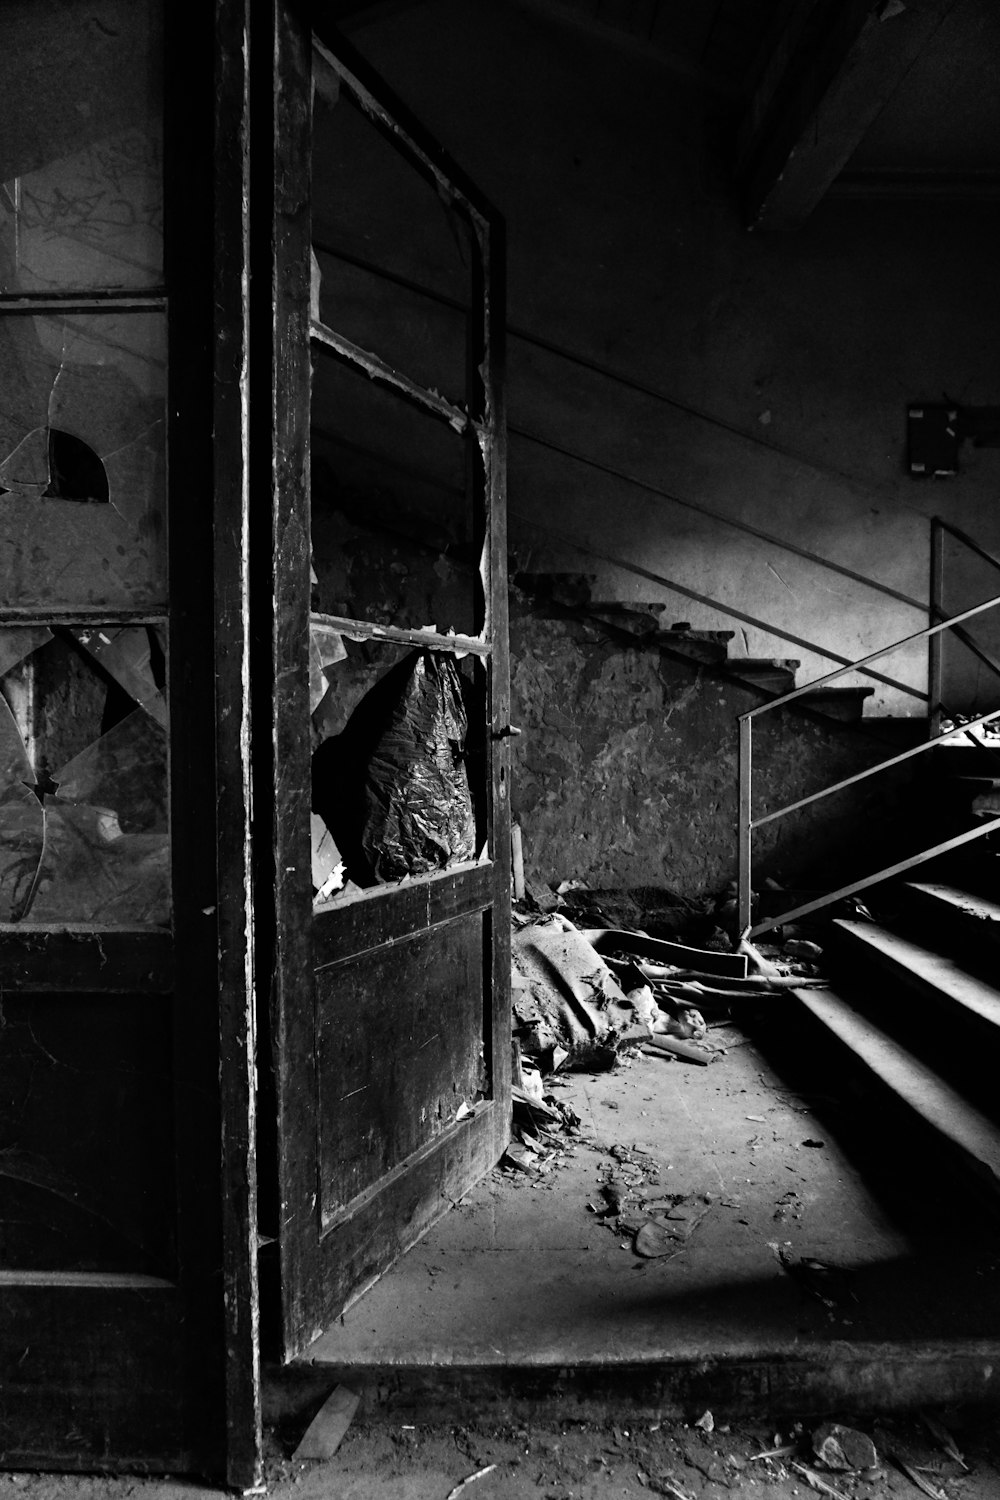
[(831, 692), (770, 663), (934, 970), (966, 903), (910, 1079)]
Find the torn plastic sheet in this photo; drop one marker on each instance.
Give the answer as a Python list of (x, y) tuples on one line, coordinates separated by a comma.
[(566, 997), (326, 648), (418, 805), (125, 653)]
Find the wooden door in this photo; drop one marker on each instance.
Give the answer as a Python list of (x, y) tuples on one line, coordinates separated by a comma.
[(126, 1169), (390, 1029)]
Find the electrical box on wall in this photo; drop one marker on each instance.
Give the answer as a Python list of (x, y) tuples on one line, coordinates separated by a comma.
[(932, 441)]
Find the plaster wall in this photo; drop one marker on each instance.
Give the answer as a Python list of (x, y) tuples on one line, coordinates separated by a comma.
[(775, 370), (626, 772)]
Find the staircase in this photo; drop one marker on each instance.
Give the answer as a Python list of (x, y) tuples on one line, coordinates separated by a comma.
[(911, 1019), (771, 676)]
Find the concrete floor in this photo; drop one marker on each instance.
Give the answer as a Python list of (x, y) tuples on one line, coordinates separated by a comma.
[(523, 1278)]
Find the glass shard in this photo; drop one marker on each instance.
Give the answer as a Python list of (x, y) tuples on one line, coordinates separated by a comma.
[(126, 653), (326, 648), (84, 830)]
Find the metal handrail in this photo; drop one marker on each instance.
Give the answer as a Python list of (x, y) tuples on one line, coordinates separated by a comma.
[(940, 524), (747, 823)]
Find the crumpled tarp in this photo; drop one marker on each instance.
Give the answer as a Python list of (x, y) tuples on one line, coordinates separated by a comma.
[(566, 997), (418, 807)]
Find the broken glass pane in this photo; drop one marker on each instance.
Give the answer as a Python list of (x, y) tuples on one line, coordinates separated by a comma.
[(81, 134), (17, 642), (22, 823), (326, 649), (394, 535), (372, 207), (82, 474), (127, 653), (84, 830), (419, 333)]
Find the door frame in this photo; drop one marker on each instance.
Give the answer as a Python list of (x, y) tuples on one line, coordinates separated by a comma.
[(309, 1281)]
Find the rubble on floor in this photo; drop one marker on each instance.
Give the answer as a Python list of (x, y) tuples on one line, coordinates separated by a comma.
[(591, 1000), (703, 1458)]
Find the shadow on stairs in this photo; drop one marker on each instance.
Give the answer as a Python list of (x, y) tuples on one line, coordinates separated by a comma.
[(910, 1026)]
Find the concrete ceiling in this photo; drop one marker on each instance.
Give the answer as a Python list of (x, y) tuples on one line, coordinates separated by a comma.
[(905, 93)]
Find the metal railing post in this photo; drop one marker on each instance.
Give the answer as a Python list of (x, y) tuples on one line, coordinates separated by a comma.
[(934, 642), (744, 830), (747, 823)]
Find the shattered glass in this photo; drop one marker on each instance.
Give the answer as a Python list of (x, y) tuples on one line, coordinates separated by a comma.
[(83, 776), (326, 649), (82, 472), (81, 145)]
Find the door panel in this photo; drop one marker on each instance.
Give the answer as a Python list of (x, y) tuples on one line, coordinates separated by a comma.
[(390, 1027), (400, 1054), (126, 1176)]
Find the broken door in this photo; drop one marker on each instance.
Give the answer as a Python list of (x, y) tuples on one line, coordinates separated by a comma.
[(388, 760), (121, 912)]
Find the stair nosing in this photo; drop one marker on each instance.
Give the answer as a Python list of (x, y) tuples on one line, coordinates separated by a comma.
[(935, 971), (951, 1115), (958, 902)]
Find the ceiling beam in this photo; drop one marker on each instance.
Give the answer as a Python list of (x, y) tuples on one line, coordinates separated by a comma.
[(831, 72)]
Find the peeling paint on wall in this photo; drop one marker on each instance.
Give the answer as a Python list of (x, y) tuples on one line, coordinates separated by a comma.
[(625, 774)]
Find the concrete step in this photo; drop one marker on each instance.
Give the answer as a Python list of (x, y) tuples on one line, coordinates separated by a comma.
[(775, 674), (637, 619), (844, 703), (711, 646), (960, 915), (895, 1077), (910, 966), (961, 758), (934, 1005)]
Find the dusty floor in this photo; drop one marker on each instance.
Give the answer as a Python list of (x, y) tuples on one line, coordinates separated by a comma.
[(735, 1163), (737, 1166), (742, 1171), (581, 1461), (595, 1463)]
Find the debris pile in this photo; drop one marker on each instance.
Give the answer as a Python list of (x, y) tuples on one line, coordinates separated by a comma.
[(966, 726), (582, 996), (848, 1455), (569, 1009), (590, 1000), (543, 1128), (709, 1454), (633, 1204)]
